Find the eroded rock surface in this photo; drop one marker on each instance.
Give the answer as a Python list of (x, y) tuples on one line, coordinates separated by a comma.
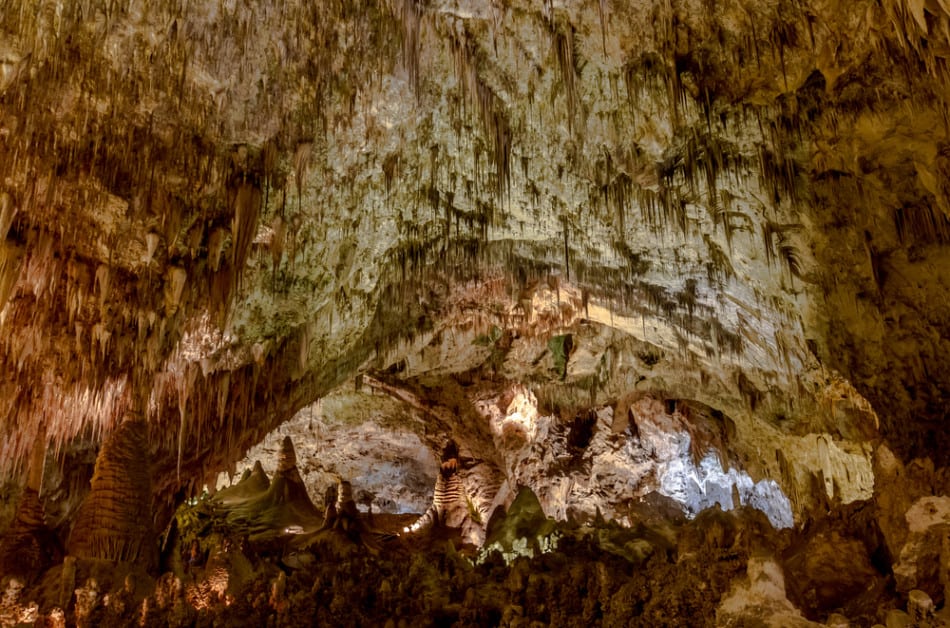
[(115, 522), (616, 251)]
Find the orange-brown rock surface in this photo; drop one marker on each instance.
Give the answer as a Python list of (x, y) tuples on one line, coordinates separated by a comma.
[(617, 249), (114, 522)]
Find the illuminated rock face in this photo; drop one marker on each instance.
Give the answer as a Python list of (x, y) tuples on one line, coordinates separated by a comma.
[(370, 441), (115, 521), (212, 215)]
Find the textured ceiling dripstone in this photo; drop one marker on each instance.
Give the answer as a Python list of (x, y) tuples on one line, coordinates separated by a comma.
[(213, 213)]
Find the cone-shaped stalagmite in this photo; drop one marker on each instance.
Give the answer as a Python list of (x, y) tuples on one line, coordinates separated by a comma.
[(28, 547), (288, 488), (114, 522), (253, 482), (282, 504)]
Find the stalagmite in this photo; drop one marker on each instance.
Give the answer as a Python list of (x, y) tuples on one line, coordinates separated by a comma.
[(448, 507), (28, 547), (265, 509), (214, 213), (287, 457), (114, 522), (253, 482)]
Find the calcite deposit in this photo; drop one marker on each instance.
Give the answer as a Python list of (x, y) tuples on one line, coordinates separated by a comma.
[(671, 276)]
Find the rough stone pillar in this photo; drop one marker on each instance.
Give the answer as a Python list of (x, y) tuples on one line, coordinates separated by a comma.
[(114, 522)]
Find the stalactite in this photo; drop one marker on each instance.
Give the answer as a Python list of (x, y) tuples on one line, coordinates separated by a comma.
[(563, 43), (277, 244), (921, 224), (9, 271), (174, 288), (567, 259), (184, 386), (8, 211), (491, 110), (104, 283), (719, 267), (245, 201), (409, 14), (602, 14)]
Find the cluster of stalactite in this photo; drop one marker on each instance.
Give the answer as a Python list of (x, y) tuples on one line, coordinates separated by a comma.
[(122, 224), (119, 224), (756, 98)]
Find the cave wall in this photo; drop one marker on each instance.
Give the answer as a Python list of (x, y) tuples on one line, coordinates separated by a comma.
[(213, 214)]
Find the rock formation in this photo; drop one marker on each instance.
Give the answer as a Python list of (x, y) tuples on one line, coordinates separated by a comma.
[(264, 508), (448, 508), (677, 266), (114, 522), (28, 546), (253, 482)]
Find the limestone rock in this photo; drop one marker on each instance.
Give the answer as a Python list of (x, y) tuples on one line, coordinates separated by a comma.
[(818, 579), (449, 508), (253, 482), (283, 506), (217, 212), (28, 546), (114, 522), (919, 606), (923, 562), (760, 599), (372, 440), (522, 530), (898, 619), (287, 458), (837, 620)]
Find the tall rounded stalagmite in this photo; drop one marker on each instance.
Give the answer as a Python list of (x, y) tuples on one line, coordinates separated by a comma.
[(286, 457), (115, 522)]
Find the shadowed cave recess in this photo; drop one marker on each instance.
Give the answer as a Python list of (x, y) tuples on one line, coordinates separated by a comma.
[(474, 313)]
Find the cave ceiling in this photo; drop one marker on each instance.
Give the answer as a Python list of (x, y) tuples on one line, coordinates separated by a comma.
[(213, 214)]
